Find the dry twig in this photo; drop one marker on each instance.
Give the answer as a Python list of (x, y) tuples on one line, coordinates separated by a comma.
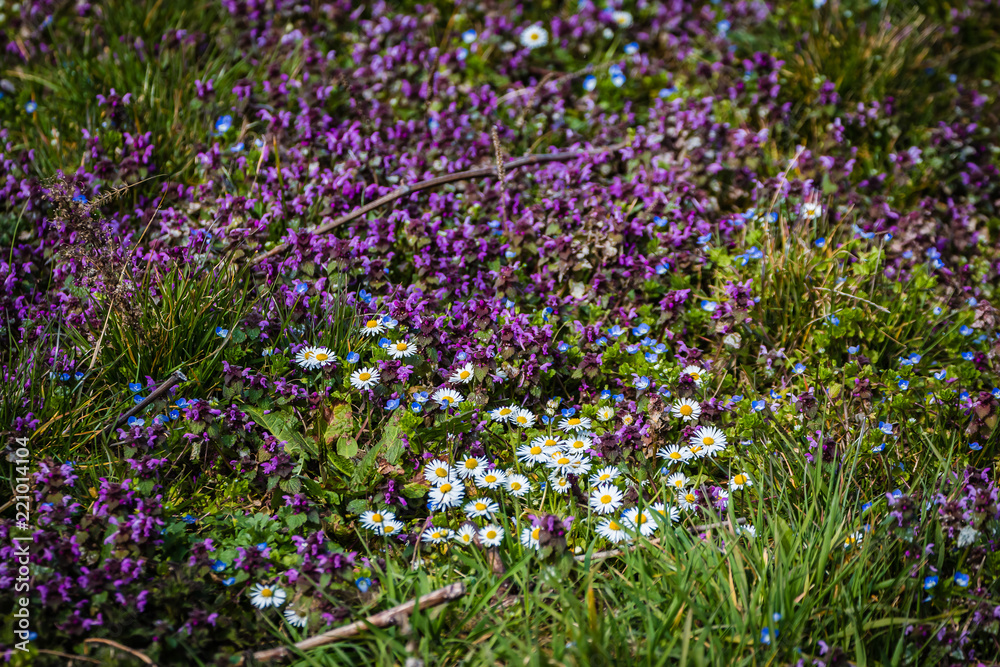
[(121, 647)]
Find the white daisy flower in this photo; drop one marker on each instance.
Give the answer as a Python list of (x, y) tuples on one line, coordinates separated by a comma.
[(605, 474), (490, 535), (559, 484), (522, 418), (714, 450), (393, 527), (465, 534), (506, 413), (853, 540), (438, 472), (296, 619), (447, 495), (678, 480), (697, 374), (263, 596), (746, 530), (481, 507), (518, 485), (435, 535), (722, 497), (605, 414), (605, 499), (563, 463), (470, 467), (708, 436), (534, 37), (612, 531), (365, 378), (640, 520), (447, 398), (578, 445), (464, 374), (372, 327), (627, 419), (686, 410), (315, 357), (375, 520), (674, 454), (740, 480), (622, 19), (578, 466), (538, 450), (571, 424), (491, 479), (670, 513), (401, 349), (811, 210), (696, 451), (529, 537), (687, 500)]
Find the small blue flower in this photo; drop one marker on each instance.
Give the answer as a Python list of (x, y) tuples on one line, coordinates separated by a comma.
[(820, 242), (896, 493), (78, 375), (180, 402), (388, 321), (710, 306), (134, 421), (365, 296), (64, 377), (961, 579), (660, 222), (852, 349), (433, 125), (392, 404), (602, 341), (31, 106), (223, 124), (878, 449), (631, 48), (757, 406), (964, 396), (661, 268), (972, 301), (363, 584), (421, 396), (493, 224), (302, 288), (416, 406), (218, 566), (866, 507), (352, 357), (138, 399), (941, 374), (799, 368), (261, 546), (736, 399), (589, 82), (469, 36), (237, 147), (663, 391), (765, 635), (975, 446), (605, 394), (965, 331), (618, 398), (885, 427), (723, 27), (996, 392), (568, 412), (640, 330), (546, 419), (384, 342), (705, 239), (618, 79), (667, 92), (563, 346), (134, 387), (510, 254), (903, 384), (80, 199), (615, 331), (776, 616), (632, 349), (229, 581), (221, 333), (834, 320), (930, 582), (174, 414), (651, 357), (937, 310), (641, 382)]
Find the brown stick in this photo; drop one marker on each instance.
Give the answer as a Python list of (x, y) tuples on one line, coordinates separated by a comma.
[(440, 180), (611, 553), (121, 647), (379, 620), (176, 378), (71, 657)]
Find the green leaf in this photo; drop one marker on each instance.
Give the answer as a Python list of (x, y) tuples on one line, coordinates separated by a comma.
[(340, 422), (283, 425), (347, 447), (361, 472), (343, 465), (357, 506), (414, 490), (391, 441), (296, 521)]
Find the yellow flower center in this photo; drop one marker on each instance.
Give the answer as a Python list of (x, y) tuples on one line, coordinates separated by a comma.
[(740, 479), (371, 324), (505, 411), (695, 449), (708, 441), (490, 534), (563, 461), (266, 593), (676, 455), (389, 528), (574, 422), (445, 488), (376, 518), (464, 374), (536, 450), (471, 464), (522, 419), (641, 519), (696, 376), (605, 499), (466, 537), (605, 477), (679, 483), (490, 479), (322, 356), (689, 497), (612, 525), (480, 506), (401, 347), (441, 472), (515, 486), (364, 377), (686, 410), (551, 443)]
